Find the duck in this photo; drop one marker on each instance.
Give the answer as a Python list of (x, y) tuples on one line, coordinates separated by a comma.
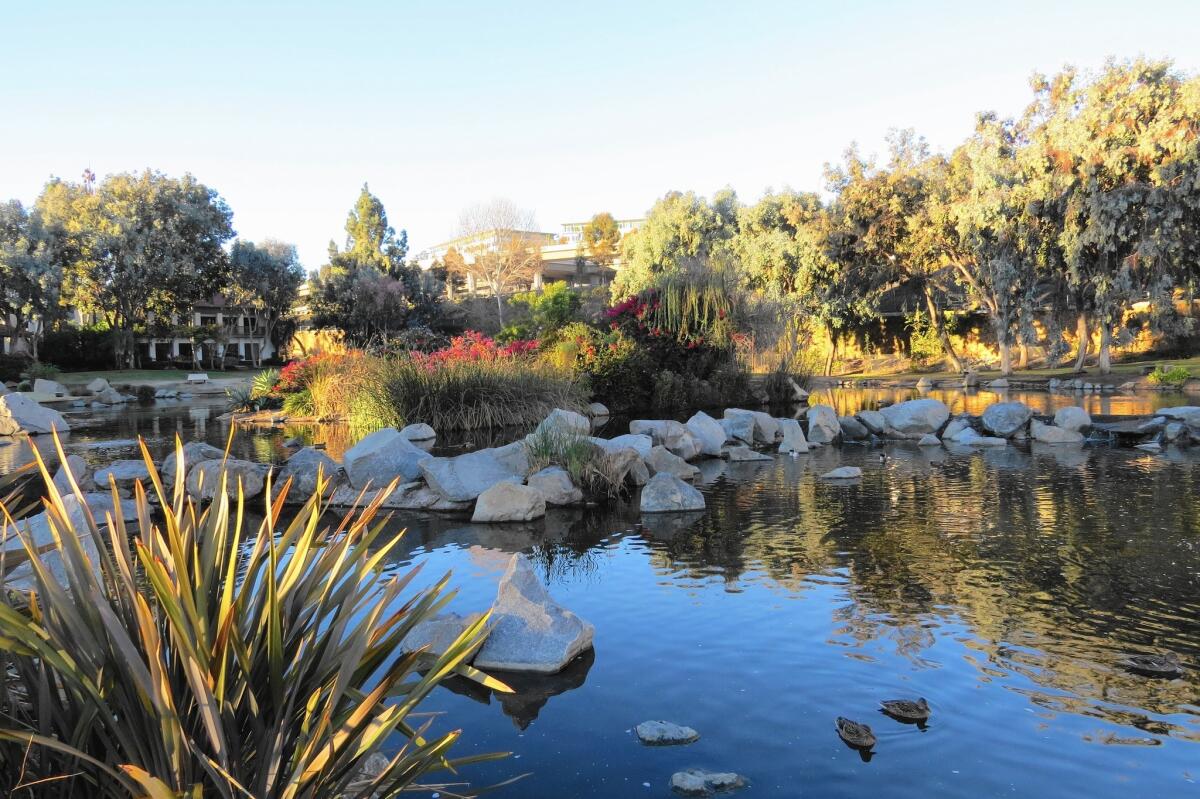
[(1155, 665), (906, 709), (883, 458), (856, 734)]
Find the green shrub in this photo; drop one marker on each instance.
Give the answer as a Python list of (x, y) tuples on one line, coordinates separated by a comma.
[(299, 403), (263, 383), (587, 464), (12, 367), (203, 657), (78, 348), (924, 346), (1173, 377), (42, 370), (145, 394)]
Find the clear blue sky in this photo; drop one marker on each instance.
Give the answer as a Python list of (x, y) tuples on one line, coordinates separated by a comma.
[(285, 108)]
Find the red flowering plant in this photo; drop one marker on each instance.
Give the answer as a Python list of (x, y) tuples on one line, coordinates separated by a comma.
[(298, 375), (474, 346)]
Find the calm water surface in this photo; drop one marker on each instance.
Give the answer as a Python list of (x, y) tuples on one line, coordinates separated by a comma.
[(1000, 585)]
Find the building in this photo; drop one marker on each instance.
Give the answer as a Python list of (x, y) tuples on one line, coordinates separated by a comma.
[(241, 337)]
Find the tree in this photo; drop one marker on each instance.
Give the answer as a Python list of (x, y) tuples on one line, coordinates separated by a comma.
[(1111, 158), (266, 277), (680, 231), (31, 255), (600, 240), (370, 240), (501, 249), (142, 245)]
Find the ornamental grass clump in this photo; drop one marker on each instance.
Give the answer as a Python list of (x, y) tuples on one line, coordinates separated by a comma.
[(203, 655), (590, 467)]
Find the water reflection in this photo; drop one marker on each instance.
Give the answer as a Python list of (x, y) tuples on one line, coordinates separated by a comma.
[(849, 400)]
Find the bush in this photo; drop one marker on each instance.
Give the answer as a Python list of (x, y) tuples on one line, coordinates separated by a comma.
[(145, 394), (201, 657), (12, 367), (78, 348), (1173, 377), (588, 465), (42, 370)]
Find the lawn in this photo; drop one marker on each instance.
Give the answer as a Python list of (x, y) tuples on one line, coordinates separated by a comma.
[(1121, 371), (147, 376)]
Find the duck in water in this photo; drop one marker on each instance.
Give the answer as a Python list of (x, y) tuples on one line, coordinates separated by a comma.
[(1167, 665), (857, 735), (906, 709)]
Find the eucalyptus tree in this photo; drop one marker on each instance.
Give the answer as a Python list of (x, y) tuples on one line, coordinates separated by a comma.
[(31, 258), (1113, 155), (142, 245), (266, 277)]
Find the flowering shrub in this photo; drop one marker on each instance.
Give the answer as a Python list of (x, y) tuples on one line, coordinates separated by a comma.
[(298, 375), (474, 346)]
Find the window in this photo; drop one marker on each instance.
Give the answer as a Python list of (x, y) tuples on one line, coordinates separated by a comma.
[(208, 321)]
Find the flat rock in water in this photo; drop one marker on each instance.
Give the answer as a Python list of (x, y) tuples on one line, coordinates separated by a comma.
[(665, 493), (1051, 434), (665, 733), (509, 502), (698, 782), (530, 631), (843, 473), (19, 414), (438, 633), (124, 473), (740, 453)]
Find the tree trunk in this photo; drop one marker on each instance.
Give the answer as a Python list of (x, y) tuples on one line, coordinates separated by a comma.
[(1083, 331), (832, 351), (1105, 360), (939, 326), (499, 306), (1005, 356), (1022, 355)]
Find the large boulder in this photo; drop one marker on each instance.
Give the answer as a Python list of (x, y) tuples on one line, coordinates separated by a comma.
[(793, 436), (915, 418), (96, 385), (671, 434), (874, 421), (665, 493), (823, 425), (418, 432), (124, 473), (660, 459), (1072, 417), (738, 428), (302, 469), (193, 453), (19, 414), (509, 502), (852, 429), (957, 426), (529, 630), (1006, 418), (464, 477), (382, 457), (78, 468), (555, 486), (110, 396), (766, 426), (51, 388), (709, 433), (204, 478), (438, 634), (564, 423), (21, 578), (1051, 434), (638, 443)]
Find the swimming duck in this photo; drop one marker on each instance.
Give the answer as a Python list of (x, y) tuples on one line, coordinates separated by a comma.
[(855, 734), (1167, 665), (883, 458), (906, 709)]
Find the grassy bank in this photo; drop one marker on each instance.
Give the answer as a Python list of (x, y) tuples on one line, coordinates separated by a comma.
[(1121, 372), (145, 376)]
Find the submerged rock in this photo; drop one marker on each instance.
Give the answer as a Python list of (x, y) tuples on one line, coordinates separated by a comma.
[(19, 414), (698, 782), (382, 457), (843, 473), (665, 493), (1006, 418), (740, 453), (509, 502), (929, 440), (464, 477), (665, 733), (529, 630)]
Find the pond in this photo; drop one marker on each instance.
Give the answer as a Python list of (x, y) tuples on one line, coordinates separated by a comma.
[(1002, 585)]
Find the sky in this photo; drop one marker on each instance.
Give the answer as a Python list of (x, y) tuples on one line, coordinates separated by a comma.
[(287, 108)]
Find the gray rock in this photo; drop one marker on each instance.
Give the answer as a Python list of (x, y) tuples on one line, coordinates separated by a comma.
[(78, 467), (999, 383), (19, 414), (21, 576), (530, 631), (1051, 434), (665, 733), (382, 457), (99, 384), (852, 429), (193, 453), (924, 384), (793, 437), (509, 502), (204, 478), (51, 387), (915, 418), (597, 410), (564, 423), (957, 426), (698, 782), (843, 473), (929, 440), (738, 428), (124, 473), (823, 425), (464, 477), (638, 473), (740, 453), (640, 444), (437, 634), (665, 493), (766, 427), (302, 469), (1150, 446), (1174, 431), (555, 486), (110, 396), (874, 421), (1005, 418), (675, 436), (1073, 418), (708, 432), (418, 432), (661, 460)]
